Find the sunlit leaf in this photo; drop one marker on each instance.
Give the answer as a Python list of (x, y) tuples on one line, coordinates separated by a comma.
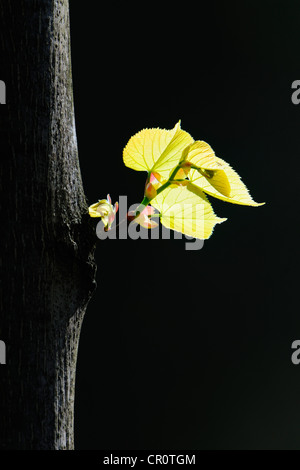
[(201, 155), (215, 176), (224, 184), (172, 154), (186, 210), (157, 150)]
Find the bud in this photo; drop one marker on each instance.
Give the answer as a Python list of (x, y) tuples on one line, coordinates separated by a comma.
[(185, 167), (105, 210), (143, 218), (155, 179), (150, 191)]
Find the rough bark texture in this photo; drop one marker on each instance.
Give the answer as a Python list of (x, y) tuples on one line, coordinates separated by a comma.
[(47, 265)]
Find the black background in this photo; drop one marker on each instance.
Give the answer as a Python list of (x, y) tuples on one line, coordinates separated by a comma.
[(192, 349)]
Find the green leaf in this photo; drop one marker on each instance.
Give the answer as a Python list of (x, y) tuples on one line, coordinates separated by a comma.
[(223, 184), (158, 150), (172, 154), (186, 210), (215, 176), (201, 155)]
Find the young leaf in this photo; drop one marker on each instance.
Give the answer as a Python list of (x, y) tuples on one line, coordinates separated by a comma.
[(201, 155), (186, 210), (215, 176), (172, 154), (223, 184), (157, 150)]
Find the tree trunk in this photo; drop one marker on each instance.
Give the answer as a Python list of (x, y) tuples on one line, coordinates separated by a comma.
[(47, 264)]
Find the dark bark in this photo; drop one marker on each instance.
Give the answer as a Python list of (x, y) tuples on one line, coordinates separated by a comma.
[(47, 264)]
